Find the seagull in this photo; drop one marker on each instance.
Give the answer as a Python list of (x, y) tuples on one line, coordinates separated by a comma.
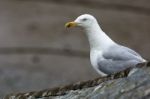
[(106, 56)]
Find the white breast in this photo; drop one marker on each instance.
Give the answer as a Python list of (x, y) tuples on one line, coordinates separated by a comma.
[(94, 56)]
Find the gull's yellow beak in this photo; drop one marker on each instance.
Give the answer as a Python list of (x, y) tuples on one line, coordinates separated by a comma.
[(70, 24)]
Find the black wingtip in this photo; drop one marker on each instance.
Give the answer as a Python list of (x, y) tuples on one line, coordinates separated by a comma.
[(148, 63)]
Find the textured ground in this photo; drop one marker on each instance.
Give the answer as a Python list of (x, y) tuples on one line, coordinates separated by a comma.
[(135, 86)]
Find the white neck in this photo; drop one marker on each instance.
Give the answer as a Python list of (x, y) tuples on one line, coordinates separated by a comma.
[(97, 38)]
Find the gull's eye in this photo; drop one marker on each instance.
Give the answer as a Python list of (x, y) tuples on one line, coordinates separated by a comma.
[(84, 19)]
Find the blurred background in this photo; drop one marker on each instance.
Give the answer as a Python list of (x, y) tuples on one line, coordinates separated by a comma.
[(38, 52)]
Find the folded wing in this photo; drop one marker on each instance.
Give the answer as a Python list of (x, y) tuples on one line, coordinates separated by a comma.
[(118, 58)]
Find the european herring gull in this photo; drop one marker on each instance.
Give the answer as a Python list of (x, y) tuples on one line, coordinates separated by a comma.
[(106, 56)]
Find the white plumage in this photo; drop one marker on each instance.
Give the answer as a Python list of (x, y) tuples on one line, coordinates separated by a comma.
[(107, 57)]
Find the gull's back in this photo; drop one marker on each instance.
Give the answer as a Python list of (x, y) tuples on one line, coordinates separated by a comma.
[(118, 58)]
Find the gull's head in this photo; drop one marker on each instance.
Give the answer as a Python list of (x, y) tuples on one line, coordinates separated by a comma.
[(85, 21)]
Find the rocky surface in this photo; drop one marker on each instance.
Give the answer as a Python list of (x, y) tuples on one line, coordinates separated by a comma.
[(135, 86)]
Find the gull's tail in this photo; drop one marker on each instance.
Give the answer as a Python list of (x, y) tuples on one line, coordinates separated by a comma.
[(144, 64)]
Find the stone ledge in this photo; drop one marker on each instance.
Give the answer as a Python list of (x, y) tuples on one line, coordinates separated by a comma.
[(119, 86)]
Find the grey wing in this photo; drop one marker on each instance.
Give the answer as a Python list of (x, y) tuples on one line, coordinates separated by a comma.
[(131, 51), (118, 58), (114, 66), (118, 52)]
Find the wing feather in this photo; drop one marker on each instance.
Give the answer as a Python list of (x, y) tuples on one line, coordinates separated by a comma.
[(118, 58)]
